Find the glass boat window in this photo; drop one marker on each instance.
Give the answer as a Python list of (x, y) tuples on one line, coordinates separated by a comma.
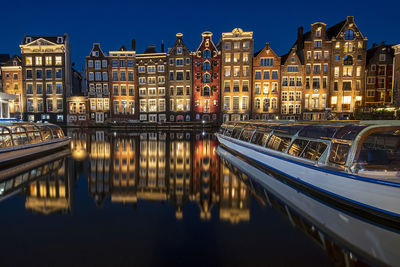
[(311, 150), (221, 130), (46, 134), (349, 132), (19, 136), (279, 143), (228, 131), (246, 134), (236, 132), (297, 147), (339, 153), (34, 137), (314, 150), (260, 137), (380, 151), (5, 137)]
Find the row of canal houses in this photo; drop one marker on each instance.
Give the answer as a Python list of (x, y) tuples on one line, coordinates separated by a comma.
[(326, 69)]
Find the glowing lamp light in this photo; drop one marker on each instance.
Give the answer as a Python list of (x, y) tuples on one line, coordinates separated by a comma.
[(358, 98)]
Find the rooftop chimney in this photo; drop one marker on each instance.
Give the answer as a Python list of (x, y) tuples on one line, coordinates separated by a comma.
[(300, 41), (162, 46), (133, 45), (350, 19)]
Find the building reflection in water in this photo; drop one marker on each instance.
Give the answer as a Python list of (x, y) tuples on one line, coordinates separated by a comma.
[(178, 167), (180, 171), (205, 173), (50, 192), (99, 175), (235, 201), (125, 169)]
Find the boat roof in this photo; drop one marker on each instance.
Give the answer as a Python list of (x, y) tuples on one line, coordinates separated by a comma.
[(25, 125), (342, 129)]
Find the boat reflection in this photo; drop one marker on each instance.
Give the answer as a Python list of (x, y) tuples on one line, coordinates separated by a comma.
[(46, 185), (348, 240)]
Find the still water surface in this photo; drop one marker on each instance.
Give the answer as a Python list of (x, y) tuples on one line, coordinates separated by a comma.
[(152, 199)]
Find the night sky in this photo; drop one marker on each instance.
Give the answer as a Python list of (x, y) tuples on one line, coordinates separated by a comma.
[(115, 23)]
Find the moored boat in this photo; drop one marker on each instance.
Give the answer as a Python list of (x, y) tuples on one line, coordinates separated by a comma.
[(353, 164), (20, 140)]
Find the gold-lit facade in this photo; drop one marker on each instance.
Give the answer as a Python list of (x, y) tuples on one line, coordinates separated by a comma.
[(152, 71), (266, 84), (292, 86), (349, 52), (11, 77), (46, 77), (236, 80), (77, 113), (98, 83), (122, 73)]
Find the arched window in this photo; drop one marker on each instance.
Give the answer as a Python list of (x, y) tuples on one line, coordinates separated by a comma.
[(206, 91), (348, 60), (349, 35), (265, 104), (206, 65), (206, 78), (206, 54), (274, 106)]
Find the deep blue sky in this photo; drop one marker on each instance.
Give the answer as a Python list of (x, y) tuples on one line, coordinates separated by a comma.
[(115, 23)]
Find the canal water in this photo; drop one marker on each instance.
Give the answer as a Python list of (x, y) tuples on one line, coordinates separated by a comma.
[(169, 199)]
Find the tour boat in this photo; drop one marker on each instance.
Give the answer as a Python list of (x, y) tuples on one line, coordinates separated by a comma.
[(23, 140), (351, 164), (344, 237)]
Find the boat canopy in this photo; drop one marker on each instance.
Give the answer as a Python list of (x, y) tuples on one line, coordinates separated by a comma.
[(23, 133), (358, 146)]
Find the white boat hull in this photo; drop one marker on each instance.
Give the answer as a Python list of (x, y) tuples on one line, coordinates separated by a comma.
[(365, 194)]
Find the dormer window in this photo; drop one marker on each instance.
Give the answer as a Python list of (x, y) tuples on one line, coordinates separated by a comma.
[(318, 32), (349, 35), (59, 40), (179, 50), (95, 53), (28, 40)]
